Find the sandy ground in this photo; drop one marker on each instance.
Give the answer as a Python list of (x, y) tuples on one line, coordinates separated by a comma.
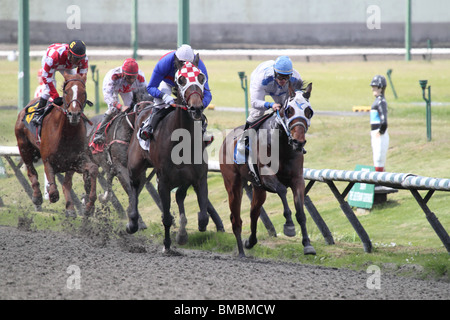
[(88, 265)]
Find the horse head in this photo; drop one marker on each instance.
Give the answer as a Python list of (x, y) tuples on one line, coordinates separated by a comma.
[(74, 97), (191, 84), (297, 117)]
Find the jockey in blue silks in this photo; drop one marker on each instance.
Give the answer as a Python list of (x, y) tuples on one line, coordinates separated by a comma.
[(161, 84)]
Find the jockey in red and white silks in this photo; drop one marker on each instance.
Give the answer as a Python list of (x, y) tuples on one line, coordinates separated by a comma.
[(121, 81), (114, 84), (60, 57)]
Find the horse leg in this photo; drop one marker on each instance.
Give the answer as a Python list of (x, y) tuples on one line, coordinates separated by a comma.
[(182, 235), (202, 197), (32, 174), (136, 173), (258, 199), (67, 187), (91, 182), (289, 227), (124, 179), (233, 185), (274, 184), (106, 196), (167, 219), (301, 219), (52, 189)]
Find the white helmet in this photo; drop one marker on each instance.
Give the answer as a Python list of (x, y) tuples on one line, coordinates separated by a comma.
[(185, 53)]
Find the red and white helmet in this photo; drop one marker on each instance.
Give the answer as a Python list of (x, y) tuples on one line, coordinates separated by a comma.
[(130, 67)]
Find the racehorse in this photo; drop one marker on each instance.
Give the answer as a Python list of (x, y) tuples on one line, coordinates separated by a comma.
[(175, 167), (282, 142), (62, 145), (113, 155)]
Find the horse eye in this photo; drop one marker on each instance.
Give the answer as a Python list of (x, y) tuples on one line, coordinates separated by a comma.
[(309, 112), (201, 78), (289, 112), (182, 81)]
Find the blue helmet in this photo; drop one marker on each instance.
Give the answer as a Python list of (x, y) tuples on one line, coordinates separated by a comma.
[(283, 65)]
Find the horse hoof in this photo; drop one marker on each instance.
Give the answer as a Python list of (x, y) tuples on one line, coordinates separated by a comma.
[(132, 228), (71, 214), (249, 244), (202, 225), (54, 197), (38, 208), (37, 201), (289, 230), (182, 238), (309, 250)]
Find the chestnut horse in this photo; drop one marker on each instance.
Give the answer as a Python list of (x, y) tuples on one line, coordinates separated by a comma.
[(282, 143), (175, 167), (62, 146)]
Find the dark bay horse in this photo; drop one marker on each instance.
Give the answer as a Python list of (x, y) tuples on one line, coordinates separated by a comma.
[(113, 155), (62, 146), (178, 164), (277, 151)]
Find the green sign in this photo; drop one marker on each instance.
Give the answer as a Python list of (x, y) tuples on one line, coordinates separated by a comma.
[(362, 194)]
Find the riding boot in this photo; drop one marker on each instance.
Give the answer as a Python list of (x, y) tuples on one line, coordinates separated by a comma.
[(149, 126), (38, 117), (99, 137)]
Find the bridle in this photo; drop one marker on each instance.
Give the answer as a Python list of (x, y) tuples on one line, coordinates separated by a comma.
[(82, 105)]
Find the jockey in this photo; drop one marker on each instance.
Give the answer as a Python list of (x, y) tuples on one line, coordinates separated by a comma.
[(61, 57), (161, 84), (378, 123), (121, 81), (271, 78)]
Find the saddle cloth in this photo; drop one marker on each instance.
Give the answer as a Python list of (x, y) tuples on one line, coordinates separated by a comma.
[(30, 114)]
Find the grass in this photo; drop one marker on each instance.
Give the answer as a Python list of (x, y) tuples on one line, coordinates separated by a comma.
[(398, 229)]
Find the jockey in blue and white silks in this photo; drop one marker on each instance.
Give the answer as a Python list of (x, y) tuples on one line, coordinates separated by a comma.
[(272, 78)]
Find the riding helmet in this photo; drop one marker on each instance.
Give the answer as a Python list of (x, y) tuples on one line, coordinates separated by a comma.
[(283, 65), (378, 81), (185, 53), (77, 48), (130, 67)]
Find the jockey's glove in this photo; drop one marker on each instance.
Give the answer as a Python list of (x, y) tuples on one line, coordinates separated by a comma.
[(168, 99)]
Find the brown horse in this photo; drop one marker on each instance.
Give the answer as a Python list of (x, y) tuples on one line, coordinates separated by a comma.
[(177, 164), (62, 145), (277, 152), (113, 155)]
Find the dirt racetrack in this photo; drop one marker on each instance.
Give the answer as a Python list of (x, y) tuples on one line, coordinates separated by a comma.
[(56, 265)]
